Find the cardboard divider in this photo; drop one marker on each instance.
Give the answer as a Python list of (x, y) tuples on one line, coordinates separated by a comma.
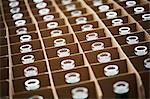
[(92, 93), (76, 3), (36, 45), (52, 52), (19, 85), (56, 63), (86, 45), (77, 27), (18, 71), (108, 83), (8, 16), (55, 14), (108, 22), (138, 62), (44, 92), (52, 9), (4, 62), (84, 76), (72, 20), (3, 41), (46, 33), (11, 23), (38, 55), (4, 51), (99, 68), (30, 28), (43, 25), (115, 29), (122, 38), (4, 73), (145, 6), (49, 42), (68, 13), (146, 82), (102, 15), (4, 89), (82, 35), (92, 55), (129, 49), (16, 38)]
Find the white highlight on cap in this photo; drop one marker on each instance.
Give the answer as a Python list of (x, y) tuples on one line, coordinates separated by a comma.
[(21, 31), (55, 33), (70, 7), (30, 71), (97, 2), (147, 63), (20, 23), (111, 70), (67, 64), (117, 22), (76, 13), (103, 8), (91, 36), (121, 87), (48, 18), (44, 11), (36, 97), (146, 17), (72, 77), (14, 4), (15, 10), (111, 14), (17, 16), (87, 27), (25, 48), (41, 5), (32, 84), (104, 57), (63, 52), (130, 3), (97, 46), (65, 2), (27, 59), (52, 25), (79, 93), (138, 10), (132, 40), (124, 30), (81, 20), (25, 38), (59, 42), (140, 50), (37, 1)]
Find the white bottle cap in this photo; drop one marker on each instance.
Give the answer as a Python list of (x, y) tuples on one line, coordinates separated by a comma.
[(80, 93), (138, 10), (140, 50), (124, 30), (36, 97), (25, 38), (52, 25), (48, 18), (87, 27), (59, 42), (103, 8), (146, 17), (132, 39), (97, 46), (91, 36), (111, 15), (70, 7), (30, 71), (63, 52), (67, 64), (37, 1), (14, 4), (111, 70), (41, 5), (104, 57), (72, 77), (44, 11), (65, 2), (32, 84), (116, 22), (81, 20), (17, 16), (130, 3), (55, 33), (27, 59), (20, 23), (21, 31), (25, 48), (147, 63), (15, 10), (76, 13)]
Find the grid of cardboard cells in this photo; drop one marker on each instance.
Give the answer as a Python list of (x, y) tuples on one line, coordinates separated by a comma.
[(77, 49)]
